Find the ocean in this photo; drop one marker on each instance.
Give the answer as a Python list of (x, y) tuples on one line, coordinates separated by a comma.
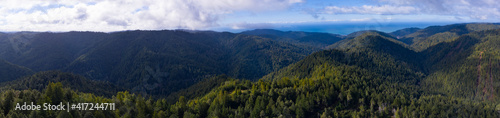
[(345, 28)]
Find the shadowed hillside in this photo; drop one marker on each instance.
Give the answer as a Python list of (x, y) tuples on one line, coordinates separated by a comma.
[(151, 62), (9, 71)]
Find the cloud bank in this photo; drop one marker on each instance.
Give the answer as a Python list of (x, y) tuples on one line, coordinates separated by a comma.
[(114, 15), (474, 9), (368, 9)]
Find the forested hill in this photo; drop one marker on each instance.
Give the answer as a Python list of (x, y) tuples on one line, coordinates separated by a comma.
[(149, 62), (314, 39), (430, 36), (370, 50), (404, 32), (467, 67), (364, 39)]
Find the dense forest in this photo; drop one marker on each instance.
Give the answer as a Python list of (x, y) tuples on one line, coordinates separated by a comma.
[(438, 71), (40, 80), (312, 39), (149, 62), (430, 36)]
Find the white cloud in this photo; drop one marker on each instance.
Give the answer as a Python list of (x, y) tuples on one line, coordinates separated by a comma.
[(252, 25), (368, 9), (113, 15), (361, 19), (475, 9)]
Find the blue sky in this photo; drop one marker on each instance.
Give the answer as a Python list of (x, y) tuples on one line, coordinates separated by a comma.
[(118, 15)]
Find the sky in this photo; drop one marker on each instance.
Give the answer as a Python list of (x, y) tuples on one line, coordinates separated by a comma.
[(119, 15)]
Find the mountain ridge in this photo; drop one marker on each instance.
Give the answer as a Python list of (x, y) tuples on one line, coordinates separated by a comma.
[(314, 39)]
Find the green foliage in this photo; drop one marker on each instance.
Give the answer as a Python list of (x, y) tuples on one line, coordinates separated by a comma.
[(40, 80), (53, 93), (199, 89)]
